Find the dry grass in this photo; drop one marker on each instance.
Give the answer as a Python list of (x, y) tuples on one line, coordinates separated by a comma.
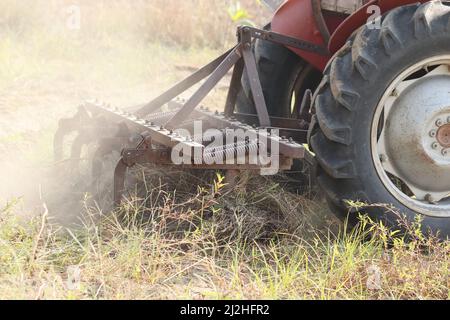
[(172, 240), (213, 244), (201, 23)]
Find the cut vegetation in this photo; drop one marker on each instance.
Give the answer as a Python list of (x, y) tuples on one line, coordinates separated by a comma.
[(262, 240)]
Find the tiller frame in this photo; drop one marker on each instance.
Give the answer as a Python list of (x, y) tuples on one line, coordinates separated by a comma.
[(153, 131)]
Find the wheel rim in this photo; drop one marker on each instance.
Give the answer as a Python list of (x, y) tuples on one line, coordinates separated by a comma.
[(410, 137)]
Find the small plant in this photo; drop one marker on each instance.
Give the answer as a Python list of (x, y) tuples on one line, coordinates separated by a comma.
[(239, 15)]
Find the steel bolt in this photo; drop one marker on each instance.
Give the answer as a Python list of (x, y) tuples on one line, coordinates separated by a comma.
[(435, 145), (439, 122), (433, 133)]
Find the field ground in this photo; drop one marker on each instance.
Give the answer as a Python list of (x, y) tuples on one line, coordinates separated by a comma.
[(174, 239)]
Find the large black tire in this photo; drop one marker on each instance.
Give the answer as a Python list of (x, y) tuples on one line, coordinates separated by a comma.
[(345, 103), (283, 74)]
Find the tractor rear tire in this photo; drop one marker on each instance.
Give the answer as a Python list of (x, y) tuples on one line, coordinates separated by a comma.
[(284, 79), (346, 106)]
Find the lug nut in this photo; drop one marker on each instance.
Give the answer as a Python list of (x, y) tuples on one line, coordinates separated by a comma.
[(439, 122), (444, 152), (433, 133), (435, 145)]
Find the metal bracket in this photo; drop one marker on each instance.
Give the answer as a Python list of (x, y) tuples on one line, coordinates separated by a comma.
[(241, 57), (158, 129)]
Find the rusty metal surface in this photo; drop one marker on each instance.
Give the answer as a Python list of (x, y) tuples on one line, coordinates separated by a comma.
[(255, 84), (443, 136), (235, 87), (154, 128), (206, 87), (288, 41), (168, 138)]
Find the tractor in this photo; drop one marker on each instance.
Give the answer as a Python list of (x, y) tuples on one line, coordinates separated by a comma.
[(359, 91)]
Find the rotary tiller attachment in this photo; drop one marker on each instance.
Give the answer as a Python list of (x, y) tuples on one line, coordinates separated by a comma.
[(172, 132)]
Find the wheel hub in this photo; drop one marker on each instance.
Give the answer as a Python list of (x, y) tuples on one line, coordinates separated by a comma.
[(443, 135), (414, 138)]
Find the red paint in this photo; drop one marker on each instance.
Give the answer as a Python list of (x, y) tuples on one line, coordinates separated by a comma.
[(357, 19), (295, 18)]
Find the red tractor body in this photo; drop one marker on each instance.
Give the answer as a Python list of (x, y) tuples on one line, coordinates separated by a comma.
[(297, 18)]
